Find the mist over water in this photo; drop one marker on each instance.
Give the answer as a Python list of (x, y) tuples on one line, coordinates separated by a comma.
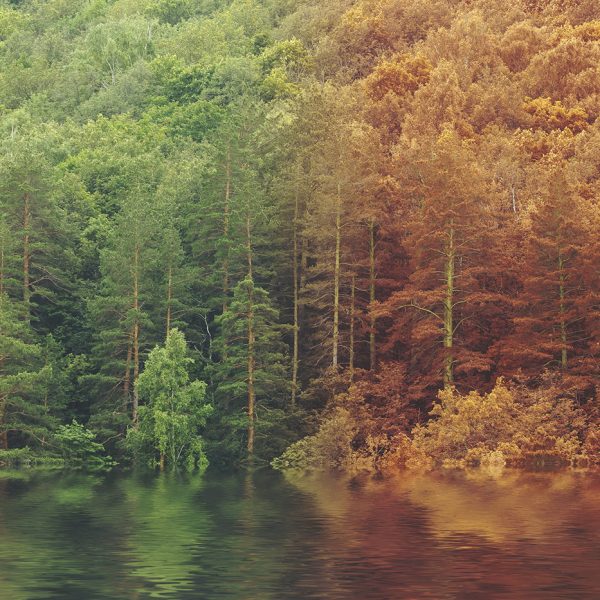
[(453, 535)]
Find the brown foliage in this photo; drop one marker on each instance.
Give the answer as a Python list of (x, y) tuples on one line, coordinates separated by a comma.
[(486, 120)]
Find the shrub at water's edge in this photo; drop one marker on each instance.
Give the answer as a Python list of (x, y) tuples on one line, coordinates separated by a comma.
[(511, 425), (72, 446), (79, 448)]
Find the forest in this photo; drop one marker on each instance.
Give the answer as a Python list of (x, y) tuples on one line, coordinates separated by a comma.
[(358, 235)]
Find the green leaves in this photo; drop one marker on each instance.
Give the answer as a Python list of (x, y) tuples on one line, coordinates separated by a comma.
[(79, 447), (175, 410)]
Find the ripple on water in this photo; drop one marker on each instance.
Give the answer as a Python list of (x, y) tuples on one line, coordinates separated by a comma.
[(458, 536)]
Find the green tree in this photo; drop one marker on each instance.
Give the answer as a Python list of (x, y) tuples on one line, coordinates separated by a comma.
[(252, 377), (175, 411), (27, 180), (24, 413)]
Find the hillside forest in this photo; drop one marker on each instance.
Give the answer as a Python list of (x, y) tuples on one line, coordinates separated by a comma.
[(347, 234)]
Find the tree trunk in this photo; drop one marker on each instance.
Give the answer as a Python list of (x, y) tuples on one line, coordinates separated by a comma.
[(26, 254), (136, 333), (372, 324), (296, 342), (449, 308), (563, 322), (352, 311), (251, 343), (127, 378), (336, 277), (226, 214), (251, 365), (169, 299), (1, 271)]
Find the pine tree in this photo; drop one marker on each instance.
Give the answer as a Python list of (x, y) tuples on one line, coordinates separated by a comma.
[(252, 377), (447, 230), (121, 311), (28, 203), (549, 326), (25, 417)]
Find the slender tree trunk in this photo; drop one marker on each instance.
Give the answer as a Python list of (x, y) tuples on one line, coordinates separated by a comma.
[(296, 343), (136, 333), (336, 277), (226, 217), (172, 442), (127, 378), (26, 254), (449, 308), (563, 321), (251, 343), (3, 434), (1, 271), (169, 299), (352, 313), (251, 366), (372, 324)]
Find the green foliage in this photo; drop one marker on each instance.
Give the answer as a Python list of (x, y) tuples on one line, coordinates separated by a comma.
[(19, 458), (26, 414), (175, 411), (252, 308), (171, 11), (79, 448)]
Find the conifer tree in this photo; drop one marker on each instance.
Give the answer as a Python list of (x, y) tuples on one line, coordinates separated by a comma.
[(25, 417), (447, 233), (27, 202), (121, 311), (549, 328)]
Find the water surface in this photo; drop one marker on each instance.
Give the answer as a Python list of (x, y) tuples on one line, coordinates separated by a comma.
[(454, 536)]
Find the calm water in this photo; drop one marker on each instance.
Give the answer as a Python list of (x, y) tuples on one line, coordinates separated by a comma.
[(522, 536)]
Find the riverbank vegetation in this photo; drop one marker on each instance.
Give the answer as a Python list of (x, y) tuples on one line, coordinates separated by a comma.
[(375, 225)]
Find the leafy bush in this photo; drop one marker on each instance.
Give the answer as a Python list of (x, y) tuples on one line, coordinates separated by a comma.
[(364, 430), (591, 446), (80, 449), (329, 448), (339, 445), (511, 425), (514, 426), (26, 457)]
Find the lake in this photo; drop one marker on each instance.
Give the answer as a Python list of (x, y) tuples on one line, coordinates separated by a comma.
[(445, 536)]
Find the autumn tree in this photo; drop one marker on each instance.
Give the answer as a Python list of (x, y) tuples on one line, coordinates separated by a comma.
[(447, 229)]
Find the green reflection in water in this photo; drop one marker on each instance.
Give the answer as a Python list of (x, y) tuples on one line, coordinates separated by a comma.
[(138, 536)]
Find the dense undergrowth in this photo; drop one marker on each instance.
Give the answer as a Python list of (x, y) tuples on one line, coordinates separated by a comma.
[(512, 425)]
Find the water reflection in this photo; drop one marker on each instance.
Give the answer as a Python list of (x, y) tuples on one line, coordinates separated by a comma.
[(139, 536)]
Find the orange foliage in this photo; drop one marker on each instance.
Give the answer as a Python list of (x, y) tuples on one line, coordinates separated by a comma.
[(548, 115), (487, 120), (402, 75)]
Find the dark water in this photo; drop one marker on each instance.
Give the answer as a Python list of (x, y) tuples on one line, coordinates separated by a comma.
[(522, 536)]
